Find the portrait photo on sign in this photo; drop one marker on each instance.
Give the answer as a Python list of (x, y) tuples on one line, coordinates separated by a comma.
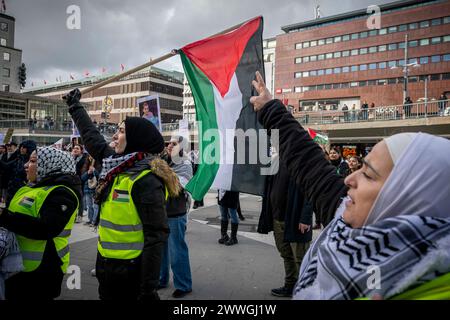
[(149, 109)]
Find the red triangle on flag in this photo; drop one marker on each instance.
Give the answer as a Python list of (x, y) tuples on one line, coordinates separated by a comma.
[(115, 195), (312, 133), (218, 57)]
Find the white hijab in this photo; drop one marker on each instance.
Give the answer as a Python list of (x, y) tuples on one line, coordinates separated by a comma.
[(419, 183)]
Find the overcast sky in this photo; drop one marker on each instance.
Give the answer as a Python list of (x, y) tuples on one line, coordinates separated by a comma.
[(131, 31)]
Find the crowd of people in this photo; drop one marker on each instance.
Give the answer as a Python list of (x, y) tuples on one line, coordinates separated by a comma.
[(133, 190)]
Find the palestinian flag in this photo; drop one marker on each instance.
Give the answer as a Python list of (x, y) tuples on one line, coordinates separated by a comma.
[(318, 137), (26, 202), (120, 196), (220, 70)]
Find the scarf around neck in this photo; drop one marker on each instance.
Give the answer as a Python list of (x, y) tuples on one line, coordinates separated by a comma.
[(405, 251)]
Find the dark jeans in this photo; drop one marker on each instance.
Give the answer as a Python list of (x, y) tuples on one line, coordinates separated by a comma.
[(291, 252)]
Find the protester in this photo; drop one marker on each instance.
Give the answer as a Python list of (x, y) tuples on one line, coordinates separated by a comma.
[(365, 111), (176, 252), (380, 205), (354, 163), (80, 161), (9, 156), (286, 212), (131, 192), (89, 181), (337, 161), (41, 214), (345, 110), (228, 203), (442, 104), (407, 106), (16, 167)]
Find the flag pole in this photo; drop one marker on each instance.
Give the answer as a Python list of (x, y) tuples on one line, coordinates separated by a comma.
[(152, 62)]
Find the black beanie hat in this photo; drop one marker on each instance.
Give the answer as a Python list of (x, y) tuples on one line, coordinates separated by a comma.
[(142, 136)]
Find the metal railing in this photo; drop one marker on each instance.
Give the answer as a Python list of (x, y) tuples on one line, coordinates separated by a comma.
[(398, 112), (37, 125)]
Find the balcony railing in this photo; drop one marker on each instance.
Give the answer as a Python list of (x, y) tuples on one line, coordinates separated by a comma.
[(399, 112)]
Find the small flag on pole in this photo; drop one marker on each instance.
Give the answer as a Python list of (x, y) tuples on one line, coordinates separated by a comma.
[(58, 144), (103, 70), (318, 137), (86, 73), (45, 82), (72, 77), (122, 67)]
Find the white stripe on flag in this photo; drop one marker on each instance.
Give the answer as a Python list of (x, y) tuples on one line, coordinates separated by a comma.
[(228, 110)]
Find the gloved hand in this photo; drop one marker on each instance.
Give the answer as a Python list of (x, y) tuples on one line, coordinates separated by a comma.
[(72, 97)]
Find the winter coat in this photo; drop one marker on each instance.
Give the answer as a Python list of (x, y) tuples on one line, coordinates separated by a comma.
[(55, 213), (6, 174), (84, 181), (178, 206), (229, 200), (148, 195), (305, 160)]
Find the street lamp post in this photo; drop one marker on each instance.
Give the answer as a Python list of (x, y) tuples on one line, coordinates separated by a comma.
[(405, 70)]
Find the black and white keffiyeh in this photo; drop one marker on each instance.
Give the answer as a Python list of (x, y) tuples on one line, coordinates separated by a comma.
[(51, 161), (111, 162), (404, 251)]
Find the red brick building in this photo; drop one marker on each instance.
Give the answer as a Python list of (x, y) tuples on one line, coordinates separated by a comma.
[(332, 61)]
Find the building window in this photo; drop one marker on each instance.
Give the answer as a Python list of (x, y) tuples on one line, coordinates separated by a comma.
[(313, 43), (401, 45), (413, 43), (446, 76), (435, 40), (305, 59), (306, 44), (354, 52), (446, 20), (435, 77), (298, 60), (382, 31), (373, 32), (304, 89), (381, 82), (298, 89), (320, 72), (363, 67), (313, 58), (298, 46), (329, 71), (6, 72), (328, 86), (392, 46), (412, 79), (412, 61), (3, 42), (313, 73), (345, 69), (353, 84), (392, 29), (321, 42), (337, 54), (371, 82), (446, 39), (392, 64), (363, 83), (373, 49), (436, 22), (329, 40), (4, 27), (425, 24), (346, 37), (363, 51), (328, 56), (382, 48), (355, 36), (336, 85), (435, 59), (345, 85), (320, 57), (402, 27), (298, 75), (423, 60), (372, 66), (363, 34), (5, 87), (6, 56), (392, 80), (424, 42), (413, 26), (338, 70), (305, 74), (354, 68), (320, 87), (345, 53), (338, 39), (446, 57)]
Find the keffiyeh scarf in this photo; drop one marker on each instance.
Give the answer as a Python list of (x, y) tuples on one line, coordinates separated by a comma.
[(51, 161), (399, 252)]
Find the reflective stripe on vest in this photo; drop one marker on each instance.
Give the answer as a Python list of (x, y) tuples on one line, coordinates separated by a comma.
[(28, 201), (120, 230)]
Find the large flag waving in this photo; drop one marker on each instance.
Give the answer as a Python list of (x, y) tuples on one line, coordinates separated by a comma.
[(220, 70)]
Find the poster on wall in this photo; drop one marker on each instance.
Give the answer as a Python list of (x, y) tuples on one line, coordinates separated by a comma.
[(348, 151), (149, 109)]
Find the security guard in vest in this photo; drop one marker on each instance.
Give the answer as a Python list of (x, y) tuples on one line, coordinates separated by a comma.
[(41, 215), (133, 186)]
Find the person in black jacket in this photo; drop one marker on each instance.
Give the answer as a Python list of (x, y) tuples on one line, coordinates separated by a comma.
[(80, 165), (305, 159), (288, 214), (135, 150), (228, 202), (48, 167), (16, 167)]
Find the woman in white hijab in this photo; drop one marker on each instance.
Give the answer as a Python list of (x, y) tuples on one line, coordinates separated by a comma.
[(390, 235)]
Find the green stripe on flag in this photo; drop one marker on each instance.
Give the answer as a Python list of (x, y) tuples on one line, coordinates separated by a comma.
[(205, 108)]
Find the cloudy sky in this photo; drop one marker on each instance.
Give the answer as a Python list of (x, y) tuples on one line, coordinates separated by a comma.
[(132, 31)]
